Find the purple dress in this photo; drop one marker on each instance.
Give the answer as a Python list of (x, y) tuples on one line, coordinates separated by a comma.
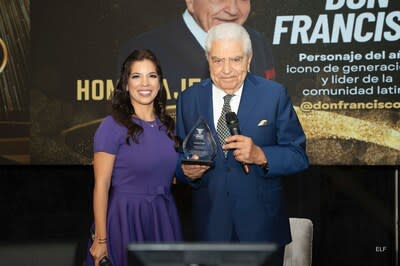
[(140, 205)]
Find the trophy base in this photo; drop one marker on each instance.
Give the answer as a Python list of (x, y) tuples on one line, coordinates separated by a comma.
[(200, 162)]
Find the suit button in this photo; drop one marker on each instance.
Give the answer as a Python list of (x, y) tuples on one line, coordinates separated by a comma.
[(228, 169), (227, 193)]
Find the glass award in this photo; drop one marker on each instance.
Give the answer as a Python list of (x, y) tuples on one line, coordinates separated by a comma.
[(199, 142)]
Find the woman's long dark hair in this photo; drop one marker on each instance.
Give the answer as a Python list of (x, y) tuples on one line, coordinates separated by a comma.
[(122, 108)]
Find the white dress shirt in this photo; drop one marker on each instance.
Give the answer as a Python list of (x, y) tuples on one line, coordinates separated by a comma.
[(218, 101)]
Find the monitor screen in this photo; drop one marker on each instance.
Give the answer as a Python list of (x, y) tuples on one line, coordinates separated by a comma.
[(204, 254)]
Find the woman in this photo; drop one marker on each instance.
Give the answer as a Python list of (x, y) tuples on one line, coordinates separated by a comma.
[(134, 163)]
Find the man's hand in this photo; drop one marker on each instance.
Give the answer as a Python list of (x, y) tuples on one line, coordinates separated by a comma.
[(194, 171), (244, 149)]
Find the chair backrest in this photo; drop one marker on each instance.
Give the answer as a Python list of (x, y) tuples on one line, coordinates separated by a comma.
[(299, 251)]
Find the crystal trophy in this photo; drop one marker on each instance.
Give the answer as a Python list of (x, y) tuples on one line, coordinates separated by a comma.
[(199, 142)]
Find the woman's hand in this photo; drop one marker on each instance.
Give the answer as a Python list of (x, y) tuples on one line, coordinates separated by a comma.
[(98, 251)]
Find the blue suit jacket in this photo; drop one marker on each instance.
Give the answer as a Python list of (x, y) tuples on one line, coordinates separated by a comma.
[(226, 199)]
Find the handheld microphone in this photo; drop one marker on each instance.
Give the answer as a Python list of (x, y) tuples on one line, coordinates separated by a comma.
[(233, 125)]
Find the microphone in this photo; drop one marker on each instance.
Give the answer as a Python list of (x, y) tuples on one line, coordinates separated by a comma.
[(105, 261), (233, 125)]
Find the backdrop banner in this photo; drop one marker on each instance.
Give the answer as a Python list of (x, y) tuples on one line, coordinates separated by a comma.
[(14, 77), (339, 60)]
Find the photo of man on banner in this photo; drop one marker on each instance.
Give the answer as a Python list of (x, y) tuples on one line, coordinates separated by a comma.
[(180, 43)]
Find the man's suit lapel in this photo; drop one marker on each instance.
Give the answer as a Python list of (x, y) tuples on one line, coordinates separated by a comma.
[(205, 99), (248, 100)]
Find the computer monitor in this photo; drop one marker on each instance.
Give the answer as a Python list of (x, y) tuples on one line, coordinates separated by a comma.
[(200, 254)]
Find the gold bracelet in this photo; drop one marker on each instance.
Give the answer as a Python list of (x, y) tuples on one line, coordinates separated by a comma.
[(102, 240)]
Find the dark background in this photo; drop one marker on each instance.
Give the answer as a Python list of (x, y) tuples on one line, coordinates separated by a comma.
[(352, 208)]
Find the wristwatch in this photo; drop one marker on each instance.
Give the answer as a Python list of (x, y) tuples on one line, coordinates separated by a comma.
[(265, 167)]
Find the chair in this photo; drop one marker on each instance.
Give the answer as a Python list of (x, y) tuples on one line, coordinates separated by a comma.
[(299, 251)]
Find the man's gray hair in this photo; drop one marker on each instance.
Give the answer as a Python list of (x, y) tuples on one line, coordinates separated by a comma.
[(229, 31)]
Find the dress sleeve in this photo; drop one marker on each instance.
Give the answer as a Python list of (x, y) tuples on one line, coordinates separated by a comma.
[(108, 137)]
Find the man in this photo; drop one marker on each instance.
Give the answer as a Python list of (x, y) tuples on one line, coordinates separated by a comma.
[(229, 202), (179, 45)]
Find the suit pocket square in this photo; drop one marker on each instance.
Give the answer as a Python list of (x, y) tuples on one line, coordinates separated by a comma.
[(262, 123)]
